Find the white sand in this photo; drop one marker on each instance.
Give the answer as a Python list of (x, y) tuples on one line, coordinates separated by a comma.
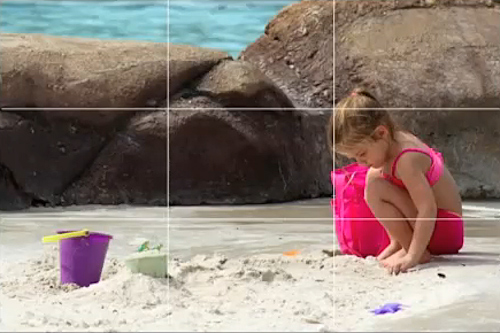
[(310, 292), (260, 293), (360, 285)]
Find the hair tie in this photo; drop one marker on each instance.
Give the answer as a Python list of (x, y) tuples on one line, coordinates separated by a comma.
[(354, 93)]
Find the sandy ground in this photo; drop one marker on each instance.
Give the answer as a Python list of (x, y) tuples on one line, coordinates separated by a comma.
[(259, 293), (310, 292), (243, 288), (430, 299)]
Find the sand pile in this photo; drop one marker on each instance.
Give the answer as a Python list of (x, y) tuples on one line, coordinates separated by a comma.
[(313, 291), (35, 300), (263, 293)]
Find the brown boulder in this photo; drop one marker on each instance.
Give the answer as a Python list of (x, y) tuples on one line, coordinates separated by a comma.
[(218, 154), (231, 84), (247, 156), (241, 84), (187, 63), (415, 54), (296, 52), (131, 169), (11, 196), (223, 154), (59, 160), (434, 55), (41, 71), (44, 155)]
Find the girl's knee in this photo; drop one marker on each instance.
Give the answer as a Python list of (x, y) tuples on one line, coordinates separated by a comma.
[(379, 190), (374, 189)]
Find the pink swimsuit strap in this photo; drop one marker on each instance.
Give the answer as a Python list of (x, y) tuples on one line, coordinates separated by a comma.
[(435, 170)]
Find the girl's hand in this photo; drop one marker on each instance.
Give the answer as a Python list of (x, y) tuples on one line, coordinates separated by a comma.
[(401, 265)]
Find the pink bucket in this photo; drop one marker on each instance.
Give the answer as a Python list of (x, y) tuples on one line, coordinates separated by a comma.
[(358, 231)]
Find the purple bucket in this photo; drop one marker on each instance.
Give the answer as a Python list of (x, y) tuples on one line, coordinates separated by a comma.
[(82, 258)]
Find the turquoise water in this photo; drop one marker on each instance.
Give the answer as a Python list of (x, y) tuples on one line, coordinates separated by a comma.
[(229, 25)]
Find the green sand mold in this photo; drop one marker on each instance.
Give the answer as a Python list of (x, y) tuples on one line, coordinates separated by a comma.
[(152, 263)]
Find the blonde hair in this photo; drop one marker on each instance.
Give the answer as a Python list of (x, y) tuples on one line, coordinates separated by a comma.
[(355, 119)]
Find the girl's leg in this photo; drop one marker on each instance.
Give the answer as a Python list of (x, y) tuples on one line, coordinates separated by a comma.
[(392, 248), (380, 209), (426, 256), (395, 210)]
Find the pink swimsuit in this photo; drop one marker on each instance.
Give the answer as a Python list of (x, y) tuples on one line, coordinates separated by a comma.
[(435, 170), (448, 236)]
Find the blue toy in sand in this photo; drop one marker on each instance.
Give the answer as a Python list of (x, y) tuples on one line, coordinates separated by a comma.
[(388, 308)]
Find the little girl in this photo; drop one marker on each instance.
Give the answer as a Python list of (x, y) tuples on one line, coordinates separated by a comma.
[(408, 188)]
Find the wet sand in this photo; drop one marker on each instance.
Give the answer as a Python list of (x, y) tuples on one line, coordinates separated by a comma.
[(229, 273)]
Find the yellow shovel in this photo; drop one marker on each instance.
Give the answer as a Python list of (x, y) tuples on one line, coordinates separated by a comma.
[(58, 237)]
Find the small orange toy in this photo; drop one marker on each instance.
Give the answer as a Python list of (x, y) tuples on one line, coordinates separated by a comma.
[(291, 253)]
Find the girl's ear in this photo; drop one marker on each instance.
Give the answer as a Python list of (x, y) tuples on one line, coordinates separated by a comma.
[(381, 132)]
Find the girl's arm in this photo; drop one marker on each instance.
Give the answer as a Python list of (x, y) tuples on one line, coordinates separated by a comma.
[(411, 170)]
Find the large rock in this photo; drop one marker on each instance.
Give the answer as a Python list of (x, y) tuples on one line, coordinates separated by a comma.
[(43, 155), (269, 155), (11, 196), (221, 153), (434, 55), (57, 156), (131, 169), (420, 54), (241, 84), (62, 72), (265, 152), (296, 52), (231, 83), (241, 156), (187, 63), (59, 160)]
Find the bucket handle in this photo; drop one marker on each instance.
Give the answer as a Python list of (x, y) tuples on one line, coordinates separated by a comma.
[(58, 237)]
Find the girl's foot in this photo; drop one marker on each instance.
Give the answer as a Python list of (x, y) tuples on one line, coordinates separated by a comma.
[(391, 249), (426, 257)]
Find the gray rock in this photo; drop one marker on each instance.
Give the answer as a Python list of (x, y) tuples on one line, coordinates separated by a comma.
[(296, 52), (432, 55), (41, 71)]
